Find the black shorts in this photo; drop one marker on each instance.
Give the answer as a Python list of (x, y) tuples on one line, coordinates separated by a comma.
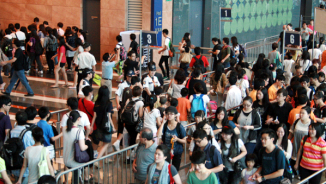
[(76, 68), (62, 65), (120, 124)]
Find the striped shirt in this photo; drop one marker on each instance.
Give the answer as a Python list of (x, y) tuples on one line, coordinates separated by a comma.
[(312, 158), (2, 166)]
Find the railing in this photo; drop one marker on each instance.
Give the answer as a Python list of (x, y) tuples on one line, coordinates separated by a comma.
[(306, 180), (118, 171)]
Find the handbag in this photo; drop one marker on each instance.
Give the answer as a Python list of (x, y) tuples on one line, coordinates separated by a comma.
[(139, 125), (80, 156), (239, 165), (43, 168), (51, 151), (170, 90)]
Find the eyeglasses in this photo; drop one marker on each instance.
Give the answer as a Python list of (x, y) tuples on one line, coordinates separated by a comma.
[(264, 139), (198, 141), (246, 105)]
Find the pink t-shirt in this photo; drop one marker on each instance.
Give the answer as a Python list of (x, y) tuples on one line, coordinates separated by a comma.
[(62, 50)]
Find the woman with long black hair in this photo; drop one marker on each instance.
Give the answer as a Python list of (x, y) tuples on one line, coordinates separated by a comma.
[(78, 49), (50, 45), (218, 81), (221, 120), (61, 54), (233, 150), (35, 39), (282, 140), (258, 65), (261, 105)]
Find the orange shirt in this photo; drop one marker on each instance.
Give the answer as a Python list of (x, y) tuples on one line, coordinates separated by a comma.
[(323, 59), (272, 92), (295, 114), (253, 94), (183, 107)]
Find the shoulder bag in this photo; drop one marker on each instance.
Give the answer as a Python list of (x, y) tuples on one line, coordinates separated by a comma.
[(80, 156), (43, 168)]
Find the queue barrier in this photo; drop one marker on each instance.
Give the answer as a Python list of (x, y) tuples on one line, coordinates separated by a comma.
[(112, 167)]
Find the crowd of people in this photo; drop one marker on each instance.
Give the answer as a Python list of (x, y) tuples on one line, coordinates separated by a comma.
[(269, 126)]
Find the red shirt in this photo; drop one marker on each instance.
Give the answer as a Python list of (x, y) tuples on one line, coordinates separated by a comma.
[(203, 58), (62, 50), (90, 108)]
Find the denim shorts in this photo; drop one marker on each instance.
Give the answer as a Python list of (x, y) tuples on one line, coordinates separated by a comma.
[(106, 138)]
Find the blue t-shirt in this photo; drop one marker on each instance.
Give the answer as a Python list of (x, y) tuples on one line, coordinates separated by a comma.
[(217, 158), (107, 69), (47, 132), (178, 148)]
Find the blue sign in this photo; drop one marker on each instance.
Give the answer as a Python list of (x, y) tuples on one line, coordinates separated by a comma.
[(292, 38), (225, 12), (157, 19)]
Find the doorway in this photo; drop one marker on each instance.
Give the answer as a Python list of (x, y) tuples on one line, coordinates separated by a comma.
[(196, 22), (91, 24)]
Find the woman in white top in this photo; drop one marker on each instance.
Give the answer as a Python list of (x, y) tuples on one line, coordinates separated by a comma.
[(305, 61), (152, 116), (178, 83), (233, 149), (288, 61), (242, 83), (70, 135), (282, 140), (79, 49), (316, 53), (33, 156)]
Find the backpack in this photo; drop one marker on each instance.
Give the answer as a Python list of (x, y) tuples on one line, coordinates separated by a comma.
[(26, 62), (171, 49), (197, 104), (278, 63), (13, 151), (38, 48), (242, 51), (126, 94), (199, 64), (127, 116), (105, 123), (123, 53), (52, 45)]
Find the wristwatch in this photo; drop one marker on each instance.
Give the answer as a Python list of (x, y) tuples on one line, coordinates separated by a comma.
[(263, 178)]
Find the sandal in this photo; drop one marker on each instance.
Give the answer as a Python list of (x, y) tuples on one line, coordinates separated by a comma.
[(72, 87), (66, 85), (54, 86)]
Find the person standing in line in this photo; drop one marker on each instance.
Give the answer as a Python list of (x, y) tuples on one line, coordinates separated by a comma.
[(305, 32), (280, 39), (225, 53), (33, 40), (60, 31), (18, 61), (165, 56), (107, 70), (144, 155), (5, 124), (216, 51)]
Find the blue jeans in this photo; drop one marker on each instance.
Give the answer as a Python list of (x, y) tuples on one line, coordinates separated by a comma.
[(21, 76)]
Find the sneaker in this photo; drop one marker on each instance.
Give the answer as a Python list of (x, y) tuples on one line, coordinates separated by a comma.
[(40, 72), (116, 146), (28, 94), (5, 93), (2, 86), (95, 154), (27, 71)]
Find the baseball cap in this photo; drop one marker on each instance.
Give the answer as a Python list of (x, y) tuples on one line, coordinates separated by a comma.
[(152, 67), (171, 109), (130, 73), (86, 44), (87, 71)]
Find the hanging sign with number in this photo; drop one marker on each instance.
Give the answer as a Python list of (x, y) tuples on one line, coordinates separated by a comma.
[(156, 19), (292, 38), (149, 38), (225, 12)]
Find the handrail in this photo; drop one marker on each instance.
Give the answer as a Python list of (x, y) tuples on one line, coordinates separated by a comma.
[(314, 174)]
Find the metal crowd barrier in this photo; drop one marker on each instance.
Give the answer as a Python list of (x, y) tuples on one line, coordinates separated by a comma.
[(314, 174), (112, 168)]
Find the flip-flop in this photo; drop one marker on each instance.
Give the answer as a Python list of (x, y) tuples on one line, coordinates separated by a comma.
[(54, 86), (66, 85)]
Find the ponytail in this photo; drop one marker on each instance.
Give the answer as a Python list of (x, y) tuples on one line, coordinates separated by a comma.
[(72, 118)]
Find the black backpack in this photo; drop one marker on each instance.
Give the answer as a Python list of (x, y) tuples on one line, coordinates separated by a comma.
[(105, 125), (199, 64), (38, 48), (13, 151), (26, 62), (127, 116)]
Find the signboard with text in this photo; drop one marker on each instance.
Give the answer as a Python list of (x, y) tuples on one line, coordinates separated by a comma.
[(156, 20), (292, 38)]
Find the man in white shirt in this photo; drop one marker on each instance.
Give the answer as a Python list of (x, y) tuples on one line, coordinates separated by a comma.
[(316, 52), (61, 32), (88, 74), (83, 61), (150, 81), (72, 104), (165, 55), (305, 32), (19, 35), (233, 97)]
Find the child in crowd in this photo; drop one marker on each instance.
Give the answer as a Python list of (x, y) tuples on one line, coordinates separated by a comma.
[(163, 106), (321, 77), (251, 160), (184, 106)]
